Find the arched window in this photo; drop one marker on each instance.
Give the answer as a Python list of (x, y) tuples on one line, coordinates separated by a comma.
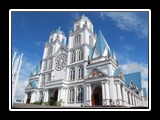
[(80, 54), (50, 64), (91, 41), (50, 51), (45, 65), (71, 94), (72, 74), (43, 80), (48, 77), (80, 72), (73, 57), (79, 94), (77, 39)]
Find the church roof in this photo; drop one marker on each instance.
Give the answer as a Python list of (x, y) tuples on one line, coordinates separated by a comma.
[(135, 77), (59, 31), (33, 84), (36, 70), (144, 92), (100, 45)]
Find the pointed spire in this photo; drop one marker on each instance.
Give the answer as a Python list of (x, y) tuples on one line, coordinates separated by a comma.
[(114, 56)]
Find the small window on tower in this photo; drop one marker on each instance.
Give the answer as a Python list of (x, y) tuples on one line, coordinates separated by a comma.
[(77, 27), (51, 39)]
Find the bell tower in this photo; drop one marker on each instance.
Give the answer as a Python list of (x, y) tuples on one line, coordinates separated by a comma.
[(81, 41)]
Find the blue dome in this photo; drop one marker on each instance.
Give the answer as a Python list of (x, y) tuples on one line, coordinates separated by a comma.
[(59, 31)]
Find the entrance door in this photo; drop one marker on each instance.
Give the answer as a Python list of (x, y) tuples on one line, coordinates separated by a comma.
[(93, 100), (28, 98), (97, 96), (55, 96)]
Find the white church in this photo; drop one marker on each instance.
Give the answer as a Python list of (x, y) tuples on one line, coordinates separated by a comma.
[(83, 73)]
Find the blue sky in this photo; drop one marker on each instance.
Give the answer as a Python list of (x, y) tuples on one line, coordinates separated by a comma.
[(125, 32)]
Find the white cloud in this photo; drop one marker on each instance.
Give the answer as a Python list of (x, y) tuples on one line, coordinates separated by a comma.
[(136, 67), (26, 68), (129, 47), (38, 43), (21, 85), (121, 38), (128, 21), (76, 15)]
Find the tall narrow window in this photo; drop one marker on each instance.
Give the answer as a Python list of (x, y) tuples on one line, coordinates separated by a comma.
[(80, 54), (45, 65), (91, 41), (50, 64), (77, 39), (79, 94), (71, 95), (48, 77), (77, 27), (50, 49), (43, 80), (73, 57), (80, 72), (72, 74)]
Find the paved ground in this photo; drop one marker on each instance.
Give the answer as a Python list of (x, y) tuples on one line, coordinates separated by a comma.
[(20, 105)]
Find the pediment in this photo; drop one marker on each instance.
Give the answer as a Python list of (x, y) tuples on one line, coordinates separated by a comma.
[(95, 73), (132, 86)]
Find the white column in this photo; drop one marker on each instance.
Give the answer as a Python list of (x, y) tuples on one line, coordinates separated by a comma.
[(37, 97), (59, 94), (75, 98), (46, 96), (25, 98), (119, 94), (66, 95), (90, 93), (103, 93), (62, 95), (107, 90), (130, 99), (133, 99), (86, 92), (124, 96)]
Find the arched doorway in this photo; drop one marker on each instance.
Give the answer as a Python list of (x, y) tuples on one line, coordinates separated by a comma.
[(97, 96), (28, 98), (55, 95)]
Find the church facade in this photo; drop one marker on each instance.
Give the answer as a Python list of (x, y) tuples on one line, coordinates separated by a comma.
[(83, 73)]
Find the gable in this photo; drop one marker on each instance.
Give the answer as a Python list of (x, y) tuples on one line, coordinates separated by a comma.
[(32, 85), (61, 50), (132, 85), (95, 73), (135, 77)]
